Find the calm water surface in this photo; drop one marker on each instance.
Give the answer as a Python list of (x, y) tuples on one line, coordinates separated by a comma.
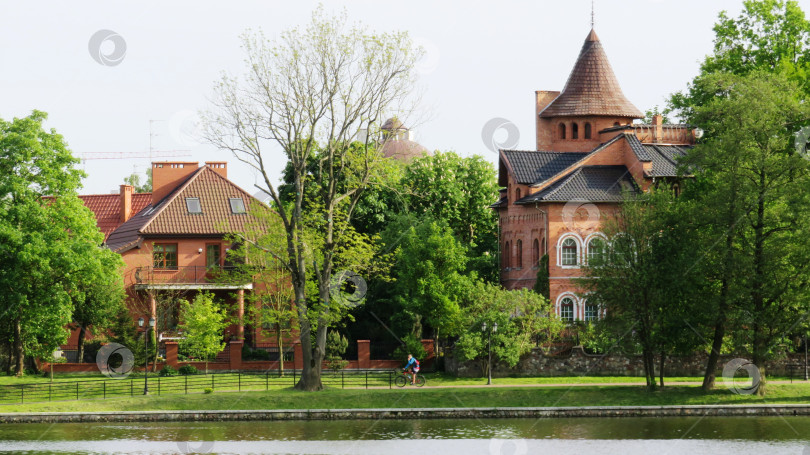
[(624, 436)]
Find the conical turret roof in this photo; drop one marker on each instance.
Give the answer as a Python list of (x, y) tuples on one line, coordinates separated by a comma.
[(592, 88)]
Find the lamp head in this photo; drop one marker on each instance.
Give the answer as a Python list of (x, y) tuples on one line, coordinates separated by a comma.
[(151, 322), (140, 322)]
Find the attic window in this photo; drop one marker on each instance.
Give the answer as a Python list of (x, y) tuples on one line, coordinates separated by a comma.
[(237, 205), (193, 205)]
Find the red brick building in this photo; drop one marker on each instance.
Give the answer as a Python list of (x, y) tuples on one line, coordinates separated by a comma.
[(172, 241), (589, 151)]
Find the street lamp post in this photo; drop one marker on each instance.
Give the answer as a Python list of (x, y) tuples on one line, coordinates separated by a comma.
[(489, 349), (146, 355)]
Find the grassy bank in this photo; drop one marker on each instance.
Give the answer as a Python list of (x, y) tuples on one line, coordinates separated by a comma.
[(428, 398)]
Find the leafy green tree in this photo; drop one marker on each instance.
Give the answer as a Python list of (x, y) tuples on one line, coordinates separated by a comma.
[(749, 167), (768, 35), (458, 191), (312, 92), (543, 285), (336, 345), (43, 241), (203, 323), (429, 274), (100, 292), (135, 180), (522, 317), (640, 284)]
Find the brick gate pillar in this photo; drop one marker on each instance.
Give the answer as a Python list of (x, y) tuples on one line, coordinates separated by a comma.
[(240, 313), (171, 353), (363, 354)]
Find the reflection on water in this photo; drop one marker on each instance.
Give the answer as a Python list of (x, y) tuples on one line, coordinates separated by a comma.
[(625, 436)]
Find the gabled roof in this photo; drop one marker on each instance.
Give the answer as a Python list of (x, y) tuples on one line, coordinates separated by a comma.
[(590, 183), (592, 87), (533, 167), (170, 216), (107, 209), (665, 159)]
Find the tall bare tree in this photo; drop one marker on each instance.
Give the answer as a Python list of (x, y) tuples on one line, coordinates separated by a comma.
[(316, 91)]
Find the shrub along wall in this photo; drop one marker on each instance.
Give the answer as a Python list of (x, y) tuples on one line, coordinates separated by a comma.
[(576, 362)]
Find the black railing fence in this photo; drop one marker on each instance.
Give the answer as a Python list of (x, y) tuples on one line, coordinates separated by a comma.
[(167, 385)]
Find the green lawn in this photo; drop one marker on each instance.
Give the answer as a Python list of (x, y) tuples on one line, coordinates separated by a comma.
[(441, 397)]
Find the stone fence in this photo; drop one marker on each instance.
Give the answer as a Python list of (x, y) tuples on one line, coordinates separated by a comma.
[(576, 362)]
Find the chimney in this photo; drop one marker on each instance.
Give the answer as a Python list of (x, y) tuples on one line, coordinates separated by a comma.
[(658, 128), (220, 167), (168, 175), (125, 201), (543, 131)]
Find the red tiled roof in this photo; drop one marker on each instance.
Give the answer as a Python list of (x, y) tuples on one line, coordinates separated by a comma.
[(592, 88), (214, 192), (107, 210), (170, 216)]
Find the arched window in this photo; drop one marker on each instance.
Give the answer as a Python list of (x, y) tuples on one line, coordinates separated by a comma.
[(596, 251), (567, 309), (587, 131), (519, 255), (569, 252), (562, 130), (574, 131), (615, 123), (517, 194), (624, 249), (535, 253), (543, 247), (676, 190), (591, 312), (507, 255)]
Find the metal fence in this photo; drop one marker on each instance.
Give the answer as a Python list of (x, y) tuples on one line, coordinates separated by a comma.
[(168, 385)]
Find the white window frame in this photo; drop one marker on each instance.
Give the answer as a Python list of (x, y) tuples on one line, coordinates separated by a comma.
[(576, 306), (586, 256), (577, 242)]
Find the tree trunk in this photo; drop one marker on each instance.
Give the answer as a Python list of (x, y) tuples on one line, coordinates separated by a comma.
[(82, 332), (19, 357), (661, 368), (761, 389), (312, 355), (279, 340)]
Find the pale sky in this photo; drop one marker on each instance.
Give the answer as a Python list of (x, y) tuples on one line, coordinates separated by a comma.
[(484, 60)]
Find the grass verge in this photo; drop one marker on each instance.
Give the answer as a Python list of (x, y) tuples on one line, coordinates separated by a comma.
[(428, 398)]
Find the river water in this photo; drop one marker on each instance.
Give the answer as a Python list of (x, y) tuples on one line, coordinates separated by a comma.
[(621, 436)]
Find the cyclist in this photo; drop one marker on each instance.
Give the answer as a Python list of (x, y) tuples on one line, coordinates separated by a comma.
[(413, 366)]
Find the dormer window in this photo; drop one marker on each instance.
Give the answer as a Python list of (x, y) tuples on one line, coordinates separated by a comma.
[(574, 131), (193, 205), (562, 130), (587, 131), (237, 205)]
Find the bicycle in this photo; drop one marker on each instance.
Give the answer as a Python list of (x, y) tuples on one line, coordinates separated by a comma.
[(404, 379)]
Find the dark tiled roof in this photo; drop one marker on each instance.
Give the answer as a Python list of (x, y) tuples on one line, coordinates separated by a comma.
[(534, 167), (639, 150), (665, 159), (107, 209), (592, 88), (589, 183), (403, 149), (501, 202)]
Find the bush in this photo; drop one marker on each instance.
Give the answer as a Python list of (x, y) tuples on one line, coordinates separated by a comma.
[(249, 353), (413, 346), (167, 370), (186, 370), (208, 390)]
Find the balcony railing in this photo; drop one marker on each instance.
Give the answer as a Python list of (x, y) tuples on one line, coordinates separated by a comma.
[(190, 274)]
